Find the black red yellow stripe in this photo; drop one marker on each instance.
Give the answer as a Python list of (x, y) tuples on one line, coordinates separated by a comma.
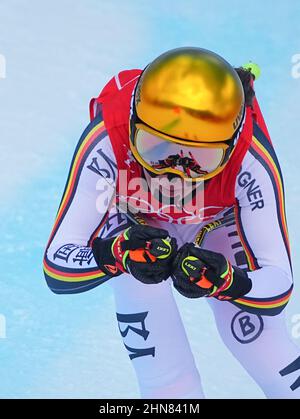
[(94, 133), (263, 151), (269, 306)]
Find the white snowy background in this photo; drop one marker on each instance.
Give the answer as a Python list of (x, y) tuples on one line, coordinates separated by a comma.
[(58, 55)]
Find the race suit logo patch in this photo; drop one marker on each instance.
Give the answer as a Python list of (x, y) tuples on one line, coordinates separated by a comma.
[(246, 327), (135, 324), (293, 367), (253, 190)]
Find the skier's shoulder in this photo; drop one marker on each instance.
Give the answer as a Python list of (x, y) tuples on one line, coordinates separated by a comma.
[(260, 153), (119, 82), (94, 133), (115, 95), (260, 172)]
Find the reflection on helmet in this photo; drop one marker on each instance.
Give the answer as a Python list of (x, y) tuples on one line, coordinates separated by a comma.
[(188, 164)]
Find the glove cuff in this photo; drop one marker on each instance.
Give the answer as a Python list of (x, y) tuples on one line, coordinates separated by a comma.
[(241, 284), (102, 250)]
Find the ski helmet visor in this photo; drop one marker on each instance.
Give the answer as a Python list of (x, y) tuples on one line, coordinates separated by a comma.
[(161, 155)]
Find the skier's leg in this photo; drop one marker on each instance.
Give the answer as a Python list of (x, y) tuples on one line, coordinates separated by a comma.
[(155, 339), (260, 343), (154, 336)]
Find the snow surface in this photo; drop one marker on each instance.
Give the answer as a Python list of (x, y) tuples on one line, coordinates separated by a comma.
[(58, 54)]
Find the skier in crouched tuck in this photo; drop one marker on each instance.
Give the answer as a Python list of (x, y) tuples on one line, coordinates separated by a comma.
[(183, 147)]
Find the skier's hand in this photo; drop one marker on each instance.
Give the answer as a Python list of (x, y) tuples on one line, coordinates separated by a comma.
[(204, 273), (145, 252)]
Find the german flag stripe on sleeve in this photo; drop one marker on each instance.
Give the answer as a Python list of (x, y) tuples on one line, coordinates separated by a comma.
[(265, 154), (263, 151), (65, 274), (93, 134), (269, 306)]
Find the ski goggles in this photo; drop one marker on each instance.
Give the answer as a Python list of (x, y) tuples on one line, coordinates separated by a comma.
[(161, 154)]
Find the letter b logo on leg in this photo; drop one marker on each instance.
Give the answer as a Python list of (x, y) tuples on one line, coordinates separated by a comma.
[(246, 327)]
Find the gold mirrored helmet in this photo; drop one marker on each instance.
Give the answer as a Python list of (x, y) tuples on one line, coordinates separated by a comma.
[(186, 115)]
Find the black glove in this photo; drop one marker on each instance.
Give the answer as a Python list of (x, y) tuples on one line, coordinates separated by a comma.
[(145, 252), (204, 273)]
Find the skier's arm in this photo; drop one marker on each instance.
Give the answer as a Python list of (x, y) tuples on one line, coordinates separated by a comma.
[(69, 265), (261, 222)]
